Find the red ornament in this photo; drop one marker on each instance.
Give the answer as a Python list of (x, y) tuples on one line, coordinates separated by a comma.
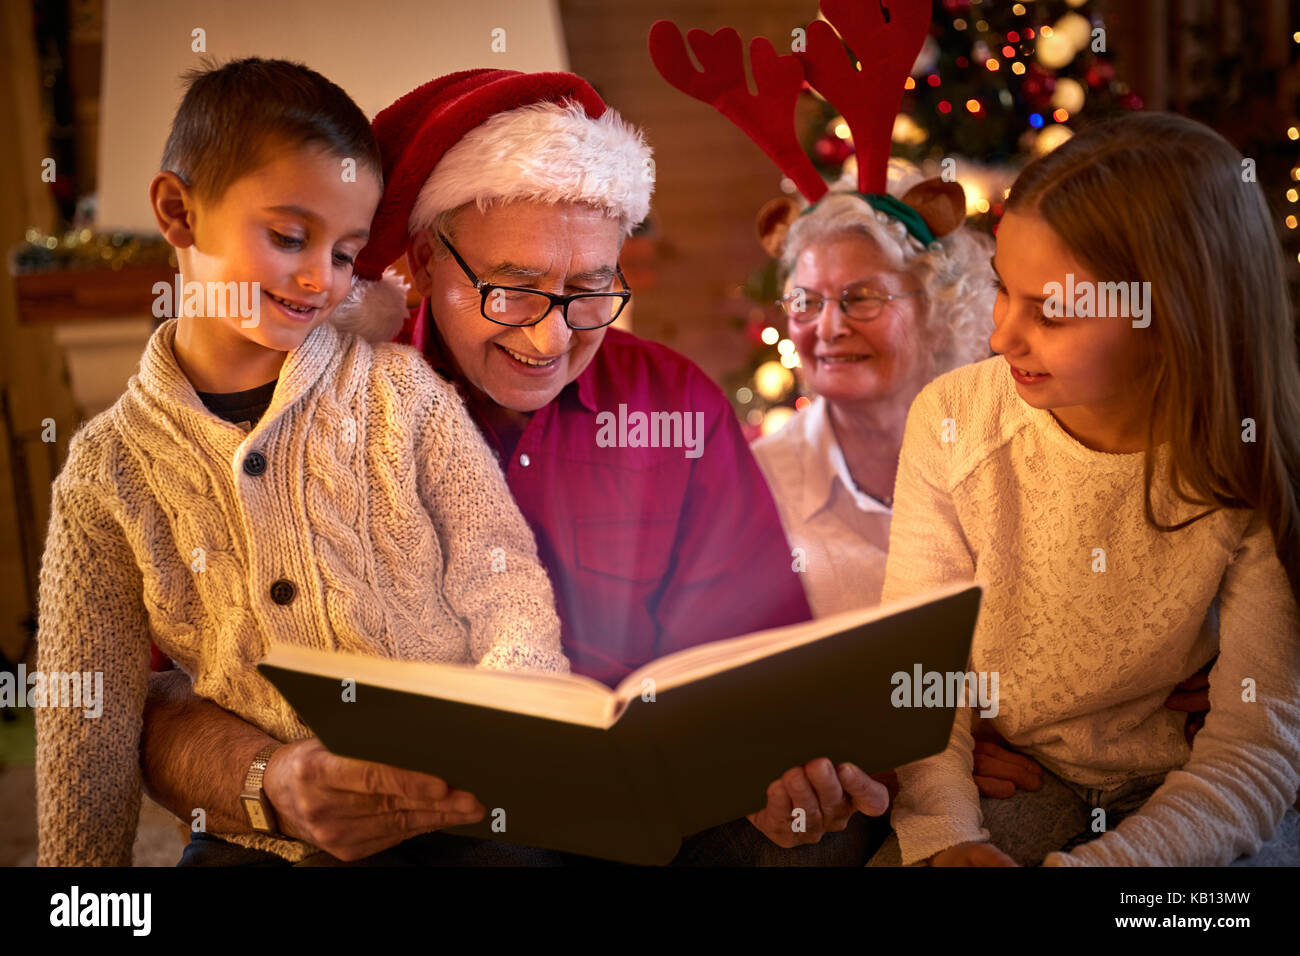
[(1037, 86), (832, 151), (754, 331), (1099, 73), (1131, 101), (1044, 76), (64, 188)]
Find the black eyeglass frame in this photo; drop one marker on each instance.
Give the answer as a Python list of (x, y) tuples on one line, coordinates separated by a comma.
[(485, 289)]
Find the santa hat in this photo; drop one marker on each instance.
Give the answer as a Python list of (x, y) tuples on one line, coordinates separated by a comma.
[(488, 136)]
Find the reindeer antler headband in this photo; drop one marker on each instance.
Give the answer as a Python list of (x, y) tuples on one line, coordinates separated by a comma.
[(885, 40)]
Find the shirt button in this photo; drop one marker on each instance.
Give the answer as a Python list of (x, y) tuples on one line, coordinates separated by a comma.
[(283, 591), (255, 463), (524, 459)]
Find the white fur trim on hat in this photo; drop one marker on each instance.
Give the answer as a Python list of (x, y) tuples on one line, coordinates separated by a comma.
[(373, 310), (548, 151)]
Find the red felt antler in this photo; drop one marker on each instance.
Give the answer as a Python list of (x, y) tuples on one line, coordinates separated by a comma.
[(768, 117), (886, 42)]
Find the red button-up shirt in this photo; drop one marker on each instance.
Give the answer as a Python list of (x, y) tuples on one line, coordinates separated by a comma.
[(649, 551)]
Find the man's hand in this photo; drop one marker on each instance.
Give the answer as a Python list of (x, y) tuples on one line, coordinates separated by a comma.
[(999, 772), (972, 854), (195, 756), (353, 808), (1192, 697), (828, 797)]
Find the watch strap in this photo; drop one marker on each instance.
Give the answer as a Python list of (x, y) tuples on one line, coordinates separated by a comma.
[(263, 821)]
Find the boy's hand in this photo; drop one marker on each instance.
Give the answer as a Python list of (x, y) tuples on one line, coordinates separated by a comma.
[(354, 808), (828, 795), (972, 854)]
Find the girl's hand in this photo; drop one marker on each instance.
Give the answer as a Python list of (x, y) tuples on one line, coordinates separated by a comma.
[(972, 854)]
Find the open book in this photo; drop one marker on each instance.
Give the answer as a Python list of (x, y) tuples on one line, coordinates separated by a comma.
[(688, 741)]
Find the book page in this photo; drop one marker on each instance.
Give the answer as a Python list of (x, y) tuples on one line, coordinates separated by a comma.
[(696, 663), (567, 697)]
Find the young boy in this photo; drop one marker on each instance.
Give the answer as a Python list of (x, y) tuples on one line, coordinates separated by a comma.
[(266, 477)]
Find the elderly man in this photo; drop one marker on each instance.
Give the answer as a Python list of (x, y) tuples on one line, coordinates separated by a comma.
[(510, 195)]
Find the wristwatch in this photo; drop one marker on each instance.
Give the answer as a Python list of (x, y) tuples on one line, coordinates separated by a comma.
[(261, 815)]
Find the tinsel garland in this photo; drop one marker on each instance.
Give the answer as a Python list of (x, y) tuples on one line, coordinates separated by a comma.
[(87, 249)]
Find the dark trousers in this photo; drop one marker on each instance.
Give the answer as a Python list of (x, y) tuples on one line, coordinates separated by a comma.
[(738, 843)]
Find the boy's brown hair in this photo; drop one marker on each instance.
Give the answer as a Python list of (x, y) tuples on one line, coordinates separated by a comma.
[(232, 115)]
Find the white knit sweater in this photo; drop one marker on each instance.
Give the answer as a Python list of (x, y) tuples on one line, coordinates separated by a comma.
[(1086, 657), (378, 501)]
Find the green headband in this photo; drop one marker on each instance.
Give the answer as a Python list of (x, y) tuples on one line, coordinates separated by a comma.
[(890, 206)]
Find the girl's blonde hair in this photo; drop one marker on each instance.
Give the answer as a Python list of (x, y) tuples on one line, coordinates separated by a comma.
[(955, 275), (1160, 198)]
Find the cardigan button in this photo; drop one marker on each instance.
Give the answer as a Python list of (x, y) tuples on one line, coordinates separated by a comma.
[(255, 463), (283, 591), (525, 460)]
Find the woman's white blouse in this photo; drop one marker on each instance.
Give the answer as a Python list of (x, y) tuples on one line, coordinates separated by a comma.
[(839, 535)]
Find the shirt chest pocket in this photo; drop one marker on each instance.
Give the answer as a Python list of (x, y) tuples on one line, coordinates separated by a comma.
[(630, 548)]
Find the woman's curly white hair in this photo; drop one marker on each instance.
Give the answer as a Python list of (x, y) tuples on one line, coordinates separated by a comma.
[(955, 274)]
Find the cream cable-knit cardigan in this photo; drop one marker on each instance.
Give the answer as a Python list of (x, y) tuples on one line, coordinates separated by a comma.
[(378, 500)]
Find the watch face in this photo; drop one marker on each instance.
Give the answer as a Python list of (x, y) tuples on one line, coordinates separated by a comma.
[(256, 815)]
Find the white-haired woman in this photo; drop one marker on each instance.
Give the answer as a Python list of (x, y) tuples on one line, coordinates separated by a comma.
[(874, 314)]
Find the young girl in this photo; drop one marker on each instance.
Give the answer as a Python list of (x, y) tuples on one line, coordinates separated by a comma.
[(266, 477), (1122, 478)]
